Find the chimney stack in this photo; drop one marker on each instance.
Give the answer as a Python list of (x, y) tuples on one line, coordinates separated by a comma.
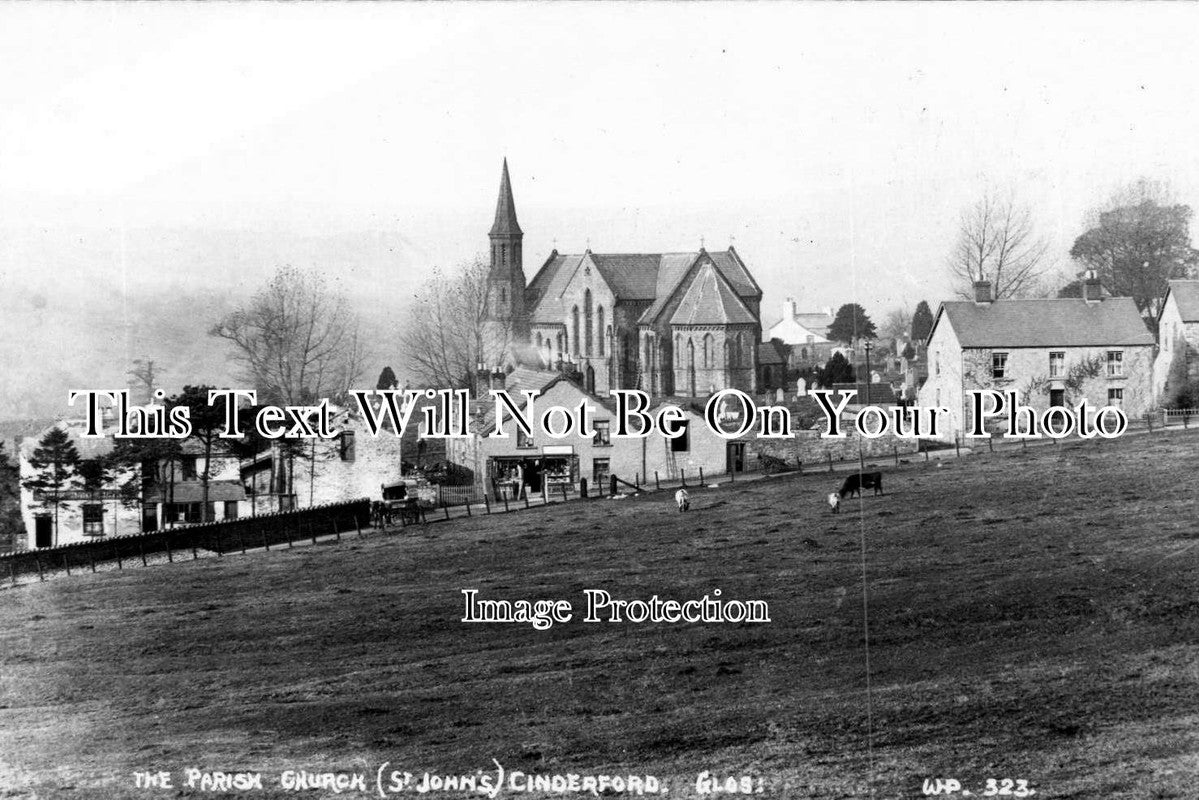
[(498, 376), (1092, 289), (982, 292)]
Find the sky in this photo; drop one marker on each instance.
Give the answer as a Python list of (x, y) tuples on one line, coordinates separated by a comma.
[(159, 161)]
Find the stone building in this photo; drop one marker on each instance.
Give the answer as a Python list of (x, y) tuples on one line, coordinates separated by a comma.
[(1178, 336), (668, 323), (541, 463), (1053, 352)]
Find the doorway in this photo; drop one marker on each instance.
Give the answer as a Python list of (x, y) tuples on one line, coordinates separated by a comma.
[(735, 456), (43, 531)]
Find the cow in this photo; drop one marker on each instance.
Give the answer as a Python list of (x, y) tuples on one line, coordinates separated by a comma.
[(834, 502), (682, 499), (855, 483)]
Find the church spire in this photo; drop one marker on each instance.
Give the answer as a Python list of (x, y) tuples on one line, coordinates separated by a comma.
[(505, 209)]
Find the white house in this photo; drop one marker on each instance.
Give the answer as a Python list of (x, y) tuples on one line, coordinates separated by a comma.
[(1177, 361)]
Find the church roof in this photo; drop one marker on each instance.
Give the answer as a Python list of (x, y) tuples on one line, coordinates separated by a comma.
[(632, 277), (710, 300), (505, 209)]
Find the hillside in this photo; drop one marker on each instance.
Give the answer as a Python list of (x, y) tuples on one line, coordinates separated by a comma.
[(1032, 616)]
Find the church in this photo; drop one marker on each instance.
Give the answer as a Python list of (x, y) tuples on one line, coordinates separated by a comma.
[(684, 324)]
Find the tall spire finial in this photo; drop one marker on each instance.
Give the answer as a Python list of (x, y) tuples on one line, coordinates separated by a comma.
[(505, 209)]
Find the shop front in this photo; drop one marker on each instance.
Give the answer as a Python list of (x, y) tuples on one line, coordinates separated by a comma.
[(546, 471)]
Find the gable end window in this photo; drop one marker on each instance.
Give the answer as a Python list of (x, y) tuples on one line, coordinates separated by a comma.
[(1057, 365)]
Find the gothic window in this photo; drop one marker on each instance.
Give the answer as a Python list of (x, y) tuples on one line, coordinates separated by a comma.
[(560, 347), (574, 330), (587, 335), (708, 354), (728, 355), (691, 365), (503, 295), (503, 255), (602, 332)]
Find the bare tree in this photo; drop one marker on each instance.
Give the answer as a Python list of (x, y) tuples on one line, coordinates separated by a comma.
[(447, 330), (897, 324), (145, 373), (296, 340), (997, 242)]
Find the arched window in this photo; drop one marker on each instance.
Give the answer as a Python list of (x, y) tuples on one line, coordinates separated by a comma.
[(574, 329), (503, 255), (601, 331), (503, 294), (708, 354), (691, 365), (539, 341), (587, 329), (561, 348), (728, 354)]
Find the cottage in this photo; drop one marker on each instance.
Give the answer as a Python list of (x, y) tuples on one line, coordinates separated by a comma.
[(1053, 352), (87, 504), (1178, 335), (805, 334)]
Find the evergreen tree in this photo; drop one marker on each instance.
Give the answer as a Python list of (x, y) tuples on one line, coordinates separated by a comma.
[(922, 322), (851, 324), (55, 462)]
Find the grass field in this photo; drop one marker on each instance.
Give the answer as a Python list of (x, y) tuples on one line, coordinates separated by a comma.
[(1031, 616)]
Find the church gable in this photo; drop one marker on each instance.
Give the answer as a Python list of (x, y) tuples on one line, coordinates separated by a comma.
[(709, 299)]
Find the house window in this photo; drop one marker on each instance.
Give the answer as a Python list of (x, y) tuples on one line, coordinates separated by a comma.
[(230, 509), (600, 470), (682, 442), (603, 436), (937, 364), (93, 519), (187, 464), (1057, 365), (1115, 398), (1115, 363), (347, 445), (523, 440), (998, 365)]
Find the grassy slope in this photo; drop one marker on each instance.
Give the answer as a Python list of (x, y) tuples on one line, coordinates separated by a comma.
[(1032, 615)]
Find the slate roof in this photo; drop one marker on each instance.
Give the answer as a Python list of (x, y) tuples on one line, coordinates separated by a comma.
[(635, 277), (1186, 296), (772, 353), (710, 300), (193, 492), (1049, 322)]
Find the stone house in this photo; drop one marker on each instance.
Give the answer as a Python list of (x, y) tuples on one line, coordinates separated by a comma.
[(1177, 361), (1053, 352)]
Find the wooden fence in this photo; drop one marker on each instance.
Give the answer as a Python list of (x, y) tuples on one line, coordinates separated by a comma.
[(182, 543)]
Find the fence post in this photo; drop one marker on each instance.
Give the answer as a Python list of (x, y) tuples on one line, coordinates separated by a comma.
[(563, 485), (141, 548), (612, 486), (637, 481), (170, 556), (116, 551), (504, 495), (195, 555), (38, 559), (266, 543), (895, 450), (471, 515), (287, 530), (657, 483), (241, 540), (12, 572), (312, 531), (66, 562), (701, 476), (220, 547), (358, 526), (336, 529), (446, 509), (526, 493), (991, 443), (486, 503), (91, 556), (1149, 421), (683, 476), (957, 445)]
